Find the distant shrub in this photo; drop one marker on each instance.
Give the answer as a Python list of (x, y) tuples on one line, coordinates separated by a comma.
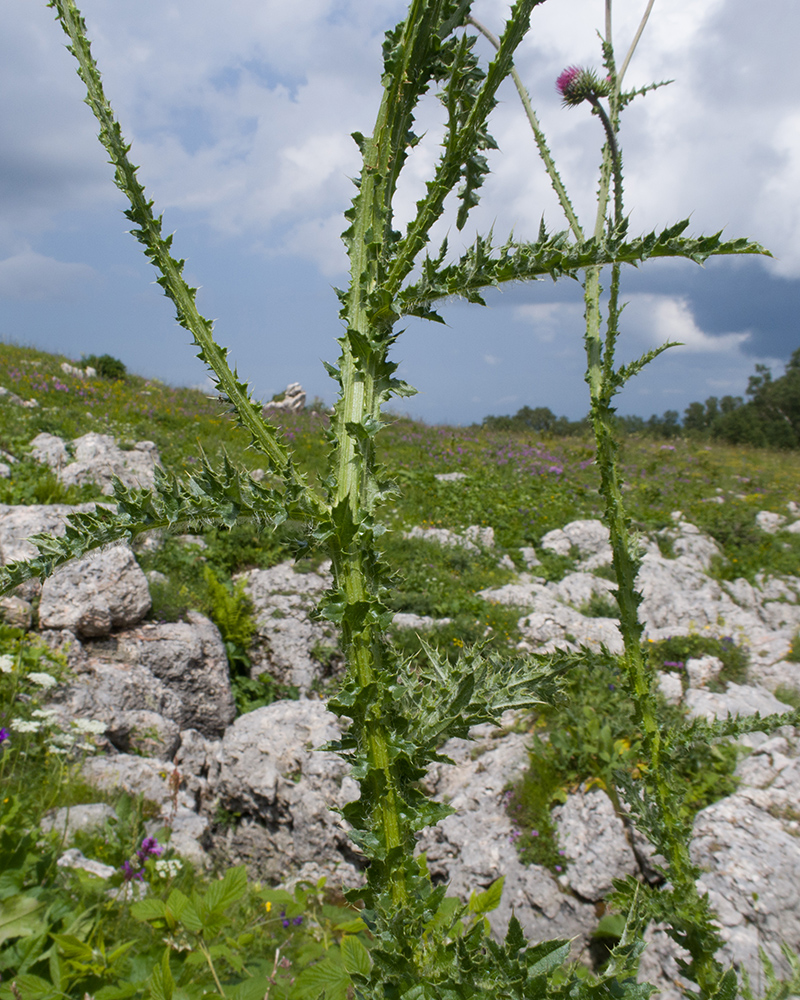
[(106, 366)]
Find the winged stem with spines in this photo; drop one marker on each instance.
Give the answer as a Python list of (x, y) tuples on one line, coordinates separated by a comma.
[(399, 718), (654, 801)]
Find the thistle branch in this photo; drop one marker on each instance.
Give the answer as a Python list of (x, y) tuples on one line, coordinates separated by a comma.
[(157, 248)]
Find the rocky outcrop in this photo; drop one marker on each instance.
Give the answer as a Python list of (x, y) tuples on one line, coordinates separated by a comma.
[(293, 400), (284, 790), (288, 636), (102, 591), (178, 671), (475, 846), (97, 458), (18, 523), (259, 789)]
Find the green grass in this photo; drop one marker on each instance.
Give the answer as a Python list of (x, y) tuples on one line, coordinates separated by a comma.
[(522, 485)]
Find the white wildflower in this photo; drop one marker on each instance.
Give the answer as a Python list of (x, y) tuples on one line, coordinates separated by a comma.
[(48, 714), (43, 680), (89, 726), (54, 749), (26, 726), (6, 664), (168, 868)]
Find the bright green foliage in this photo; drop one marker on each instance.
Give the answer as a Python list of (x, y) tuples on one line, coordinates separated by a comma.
[(422, 944), (671, 654), (106, 366), (592, 735)]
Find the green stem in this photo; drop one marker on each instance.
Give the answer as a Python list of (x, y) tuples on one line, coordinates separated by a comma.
[(208, 959), (539, 137), (158, 247)]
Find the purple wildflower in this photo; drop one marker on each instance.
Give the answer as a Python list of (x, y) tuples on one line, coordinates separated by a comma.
[(297, 921), (3, 734), (566, 81), (129, 872), (150, 849), (577, 85)]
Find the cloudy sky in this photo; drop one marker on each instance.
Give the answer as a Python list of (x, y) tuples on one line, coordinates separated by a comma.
[(241, 119)]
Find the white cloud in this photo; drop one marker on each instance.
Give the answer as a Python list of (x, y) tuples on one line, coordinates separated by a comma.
[(552, 320), (245, 118), (490, 359), (30, 276), (662, 318)]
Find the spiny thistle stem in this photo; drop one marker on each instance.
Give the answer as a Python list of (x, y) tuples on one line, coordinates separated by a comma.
[(400, 717), (539, 137)]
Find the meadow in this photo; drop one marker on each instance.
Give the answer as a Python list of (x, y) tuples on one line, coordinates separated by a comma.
[(66, 934)]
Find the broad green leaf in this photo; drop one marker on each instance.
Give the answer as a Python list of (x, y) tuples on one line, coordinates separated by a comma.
[(485, 902), (226, 890), (16, 916), (255, 988), (72, 947), (149, 909), (612, 925), (121, 992), (184, 911), (161, 981), (30, 987), (355, 956), (328, 976)]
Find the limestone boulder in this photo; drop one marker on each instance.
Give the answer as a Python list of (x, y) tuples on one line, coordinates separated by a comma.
[(145, 733), (589, 537), (18, 523), (49, 450), (289, 638), (292, 401), (108, 690), (595, 842), (102, 591), (285, 789), (475, 846), (98, 458), (189, 659)]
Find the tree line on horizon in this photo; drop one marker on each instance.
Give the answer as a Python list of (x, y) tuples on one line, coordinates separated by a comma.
[(768, 418)]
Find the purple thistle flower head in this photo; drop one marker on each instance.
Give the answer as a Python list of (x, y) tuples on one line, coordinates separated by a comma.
[(577, 85), (566, 81)]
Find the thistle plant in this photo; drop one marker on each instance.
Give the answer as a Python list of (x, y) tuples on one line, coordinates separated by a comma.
[(397, 718)]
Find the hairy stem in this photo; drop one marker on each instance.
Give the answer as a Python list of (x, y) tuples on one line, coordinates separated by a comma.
[(539, 137)]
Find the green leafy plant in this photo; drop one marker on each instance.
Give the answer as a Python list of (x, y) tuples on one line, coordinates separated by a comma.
[(105, 366), (588, 739), (672, 654), (425, 945)]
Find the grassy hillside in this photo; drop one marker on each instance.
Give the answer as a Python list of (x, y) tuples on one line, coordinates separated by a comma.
[(521, 484)]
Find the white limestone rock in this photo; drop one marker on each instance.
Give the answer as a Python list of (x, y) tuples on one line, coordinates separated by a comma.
[(287, 635), (286, 790), (703, 670), (189, 659), (594, 840), (98, 458), (738, 699), (103, 590), (473, 847), (589, 537)]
